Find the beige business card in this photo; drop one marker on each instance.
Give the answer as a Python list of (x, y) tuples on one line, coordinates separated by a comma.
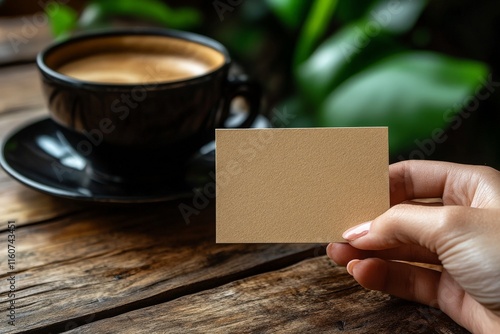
[(298, 185)]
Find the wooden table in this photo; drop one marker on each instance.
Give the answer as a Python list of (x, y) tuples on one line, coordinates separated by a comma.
[(86, 268)]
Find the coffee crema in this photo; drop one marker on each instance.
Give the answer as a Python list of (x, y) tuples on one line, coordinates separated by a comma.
[(135, 60), (130, 68)]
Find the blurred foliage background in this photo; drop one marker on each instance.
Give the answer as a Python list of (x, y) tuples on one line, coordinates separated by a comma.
[(427, 69)]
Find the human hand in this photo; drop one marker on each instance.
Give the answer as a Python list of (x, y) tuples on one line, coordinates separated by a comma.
[(461, 235)]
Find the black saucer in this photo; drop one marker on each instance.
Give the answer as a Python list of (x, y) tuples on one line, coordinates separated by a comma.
[(37, 156)]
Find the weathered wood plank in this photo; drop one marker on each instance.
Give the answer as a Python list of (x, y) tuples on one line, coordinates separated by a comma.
[(313, 296), (107, 260), (27, 206), (20, 88)]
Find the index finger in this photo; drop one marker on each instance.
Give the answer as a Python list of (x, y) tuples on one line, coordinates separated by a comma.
[(455, 184)]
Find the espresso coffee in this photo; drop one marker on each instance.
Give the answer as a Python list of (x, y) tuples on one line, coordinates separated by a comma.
[(133, 68), (136, 60)]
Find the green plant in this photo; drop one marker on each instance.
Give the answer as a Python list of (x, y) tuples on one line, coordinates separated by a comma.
[(99, 13), (362, 74)]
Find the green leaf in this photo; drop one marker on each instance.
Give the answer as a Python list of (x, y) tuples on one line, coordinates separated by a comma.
[(413, 93), (342, 55), (396, 17), (317, 22), (392, 16), (290, 12), (152, 10), (92, 17), (62, 20)]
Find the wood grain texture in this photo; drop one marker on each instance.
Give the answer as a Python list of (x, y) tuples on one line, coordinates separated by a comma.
[(313, 296), (104, 261), (27, 206)]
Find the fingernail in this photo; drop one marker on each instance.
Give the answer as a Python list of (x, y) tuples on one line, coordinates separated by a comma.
[(351, 265), (356, 231)]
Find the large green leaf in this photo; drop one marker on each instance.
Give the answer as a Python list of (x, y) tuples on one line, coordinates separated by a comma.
[(396, 16), (342, 55), (356, 46), (152, 10), (92, 17), (62, 21), (414, 93), (393, 16), (317, 22)]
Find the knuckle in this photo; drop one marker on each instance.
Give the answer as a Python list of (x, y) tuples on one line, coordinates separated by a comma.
[(486, 170), (389, 217), (487, 173), (387, 223), (451, 219), (398, 212)]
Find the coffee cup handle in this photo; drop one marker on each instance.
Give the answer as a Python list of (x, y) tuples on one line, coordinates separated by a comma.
[(250, 91)]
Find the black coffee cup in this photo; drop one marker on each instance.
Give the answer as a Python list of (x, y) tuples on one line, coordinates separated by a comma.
[(138, 103)]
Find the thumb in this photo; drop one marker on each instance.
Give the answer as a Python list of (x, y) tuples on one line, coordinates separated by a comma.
[(408, 224)]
